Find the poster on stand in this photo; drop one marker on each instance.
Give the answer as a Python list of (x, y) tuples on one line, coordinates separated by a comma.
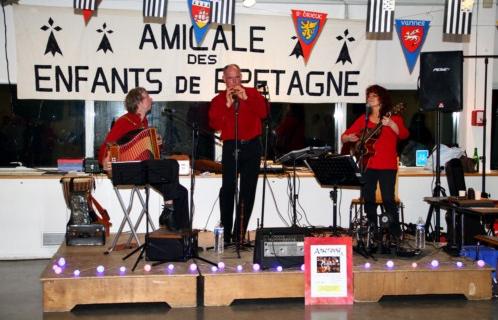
[(328, 270)]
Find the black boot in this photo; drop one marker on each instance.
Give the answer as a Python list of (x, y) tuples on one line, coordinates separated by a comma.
[(167, 219)]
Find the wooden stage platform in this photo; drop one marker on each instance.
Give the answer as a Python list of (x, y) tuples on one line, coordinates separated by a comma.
[(182, 287)]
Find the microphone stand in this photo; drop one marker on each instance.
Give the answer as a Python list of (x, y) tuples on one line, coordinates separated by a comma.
[(236, 194), (265, 155)]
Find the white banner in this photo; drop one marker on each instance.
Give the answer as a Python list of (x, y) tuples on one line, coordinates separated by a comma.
[(58, 57)]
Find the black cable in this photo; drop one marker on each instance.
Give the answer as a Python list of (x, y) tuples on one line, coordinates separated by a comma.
[(12, 94)]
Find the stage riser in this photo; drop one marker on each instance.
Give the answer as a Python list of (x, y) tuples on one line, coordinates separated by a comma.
[(63, 295), (372, 286), (223, 289), (182, 287)]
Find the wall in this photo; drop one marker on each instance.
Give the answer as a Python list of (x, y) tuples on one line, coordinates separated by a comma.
[(29, 215)]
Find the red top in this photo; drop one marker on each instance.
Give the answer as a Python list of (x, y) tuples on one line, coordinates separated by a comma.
[(385, 155), (251, 112), (124, 124)]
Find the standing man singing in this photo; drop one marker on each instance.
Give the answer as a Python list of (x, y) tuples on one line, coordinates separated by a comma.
[(251, 108)]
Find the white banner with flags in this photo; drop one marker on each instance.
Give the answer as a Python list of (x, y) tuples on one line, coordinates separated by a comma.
[(58, 57)]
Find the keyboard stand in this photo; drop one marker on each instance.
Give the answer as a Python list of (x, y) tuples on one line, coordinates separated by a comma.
[(127, 209)]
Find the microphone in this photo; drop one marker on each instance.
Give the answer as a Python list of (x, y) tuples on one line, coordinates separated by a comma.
[(168, 111), (367, 111)]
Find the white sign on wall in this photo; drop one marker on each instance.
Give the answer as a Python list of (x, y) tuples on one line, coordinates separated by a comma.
[(59, 57)]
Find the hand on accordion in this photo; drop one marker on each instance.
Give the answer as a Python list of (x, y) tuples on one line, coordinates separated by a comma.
[(106, 162)]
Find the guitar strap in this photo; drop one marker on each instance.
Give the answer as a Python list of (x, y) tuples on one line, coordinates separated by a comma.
[(103, 216)]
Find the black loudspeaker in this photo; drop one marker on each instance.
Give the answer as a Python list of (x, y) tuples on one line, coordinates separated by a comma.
[(441, 77), (165, 245)]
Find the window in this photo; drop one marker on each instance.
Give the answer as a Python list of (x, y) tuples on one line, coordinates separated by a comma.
[(38, 132), (296, 126)]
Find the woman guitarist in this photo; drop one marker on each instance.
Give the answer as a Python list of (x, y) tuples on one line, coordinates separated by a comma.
[(382, 162)]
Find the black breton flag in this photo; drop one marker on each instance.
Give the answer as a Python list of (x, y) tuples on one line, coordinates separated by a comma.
[(380, 16), (154, 8), (222, 11), (85, 4), (458, 16)]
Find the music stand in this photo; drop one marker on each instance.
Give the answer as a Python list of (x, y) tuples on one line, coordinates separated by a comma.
[(296, 155), (333, 172)]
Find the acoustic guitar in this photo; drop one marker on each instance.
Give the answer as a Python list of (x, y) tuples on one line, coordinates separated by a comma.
[(363, 149)]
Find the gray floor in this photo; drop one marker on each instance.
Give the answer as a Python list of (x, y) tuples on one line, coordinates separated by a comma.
[(20, 298)]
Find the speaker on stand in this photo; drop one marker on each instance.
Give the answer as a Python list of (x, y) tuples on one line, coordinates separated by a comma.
[(441, 78)]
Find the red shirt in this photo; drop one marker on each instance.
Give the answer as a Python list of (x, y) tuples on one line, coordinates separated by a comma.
[(251, 112), (385, 155), (124, 124)]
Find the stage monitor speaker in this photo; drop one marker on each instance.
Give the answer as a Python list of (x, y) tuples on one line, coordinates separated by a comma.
[(283, 246), (441, 77)]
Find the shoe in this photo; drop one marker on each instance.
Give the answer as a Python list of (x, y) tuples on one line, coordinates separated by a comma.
[(167, 219)]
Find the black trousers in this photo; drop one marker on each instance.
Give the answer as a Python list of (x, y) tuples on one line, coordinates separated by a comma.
[(179, 194), (249, 158), (387, 181)]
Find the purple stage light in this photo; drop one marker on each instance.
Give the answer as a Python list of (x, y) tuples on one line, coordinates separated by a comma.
[(390, 264), (256, 267)]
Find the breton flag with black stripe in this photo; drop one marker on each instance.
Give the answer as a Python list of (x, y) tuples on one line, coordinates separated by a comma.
[(154, 8), (458, 16), (85, 4), (222, 11), (380, 16)]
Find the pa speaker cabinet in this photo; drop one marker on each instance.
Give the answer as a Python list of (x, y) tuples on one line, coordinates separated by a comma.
[(279, 247), (441, 78), (164, 245)]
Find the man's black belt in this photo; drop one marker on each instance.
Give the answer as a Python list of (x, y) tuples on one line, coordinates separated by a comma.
[(243, 142)]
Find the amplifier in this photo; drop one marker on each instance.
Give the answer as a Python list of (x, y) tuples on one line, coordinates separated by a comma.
[(281, 246), (85, 235), (164, 245)]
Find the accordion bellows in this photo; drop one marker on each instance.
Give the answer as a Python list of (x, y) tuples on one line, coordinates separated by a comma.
[(143, 146)]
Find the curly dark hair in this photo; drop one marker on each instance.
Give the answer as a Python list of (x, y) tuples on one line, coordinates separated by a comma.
[(133, 98), (384, 97)]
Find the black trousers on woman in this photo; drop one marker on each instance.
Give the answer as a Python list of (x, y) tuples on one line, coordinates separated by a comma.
[(249, 159), (387, 181)]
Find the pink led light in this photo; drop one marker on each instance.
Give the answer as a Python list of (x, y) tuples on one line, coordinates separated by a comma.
[(58, 270), (193, 267), (76, 273), (279, 269), (147, 268), (256, 267), (214, 268), (435, 263), (221, 265), (122, 269), (414, 265), (100, 269), (481, 263), (171, 267), (61, 262), (302, 267), (390, 264), (459, 264), (367, 265), (240, 268)]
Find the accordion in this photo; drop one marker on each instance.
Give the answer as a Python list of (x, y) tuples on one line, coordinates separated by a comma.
[(142, 146)]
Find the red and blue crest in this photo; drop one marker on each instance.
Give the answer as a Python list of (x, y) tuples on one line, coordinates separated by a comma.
[(308, 27), (412, 34), (200, 13)]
